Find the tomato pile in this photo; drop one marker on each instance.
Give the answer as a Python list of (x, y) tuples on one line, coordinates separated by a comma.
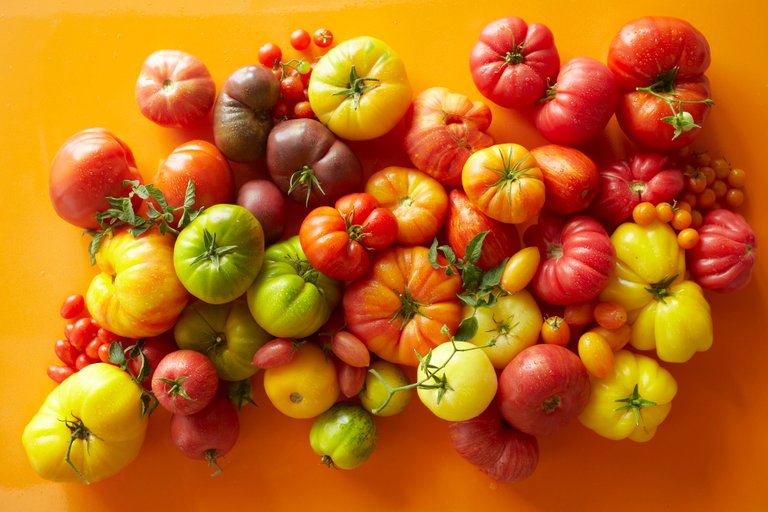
[(526, 288)]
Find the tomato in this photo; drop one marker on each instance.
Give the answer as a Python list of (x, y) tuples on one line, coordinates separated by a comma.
[(218, 255), (185, 381), (351, 378), (152, 350), (310, 164), (577, 107), (520, 269), (596, 354), (610, 315), (175, 89), (504, 182), (300, 39), (323, 38), (375, 392), (89, 167), (458, 379), (72, 306), (444, 128), (578, 258), (88, 428), (360, 89), (136, 293), (400, 306), (344, 436), (348, 348), (513, 62), (276, 352), (290, 298), (659, 63), (242, 113), (270, 55), (291, 88), (203, 164), (571, 178), (555, 330), (225, 333), (418, 201), (644, 213), (267, 203), (511, 324), (725, 255), (58, 372), (304, 387)]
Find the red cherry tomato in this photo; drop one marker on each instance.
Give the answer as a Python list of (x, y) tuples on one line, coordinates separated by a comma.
[(323, 37), (270, 55), (72, 307), (300, 39)]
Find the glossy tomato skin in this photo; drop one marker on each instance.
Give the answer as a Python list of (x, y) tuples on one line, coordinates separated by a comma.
[(670, 55), (345, 436), (504, 182), (185, 381), (571, 178), (579, 105), (725, 255), (89, 167), (512, 62), (401, 304), (372, 104), (210, 433), (443, 129), (267, 203), (577, 258), (378, 225), (175, 89), (204, 164)]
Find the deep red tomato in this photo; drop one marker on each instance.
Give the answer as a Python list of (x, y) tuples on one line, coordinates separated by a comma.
[(90, 166), (270, 55), (175, 89), (204, 164), (336, 240), (571, 178), (659, 63), (401, 305), (577, 258), (300, 39), (579, 105), (512, 62), (323, 38)]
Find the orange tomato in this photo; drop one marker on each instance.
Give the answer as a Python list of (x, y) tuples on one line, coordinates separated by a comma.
[(644, 213), (616, 338), (579, 314), (610, 314), (664, 212), (520, 269), (504, 182), (682, 219), (688, 238), (596, 354), (555, 330)]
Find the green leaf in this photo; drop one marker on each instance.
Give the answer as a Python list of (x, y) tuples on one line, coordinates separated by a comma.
[(493, 277), (467, 329), (470, 299), (432, 255), (471, 277), (475, 247), (116, 354), (448, 253), (189, 195)]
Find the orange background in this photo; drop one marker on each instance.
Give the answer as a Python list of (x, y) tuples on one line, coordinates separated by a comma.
[(65, 66)]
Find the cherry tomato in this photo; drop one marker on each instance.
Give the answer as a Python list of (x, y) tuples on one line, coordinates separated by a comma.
[(303, 110), (719, 187), (734, 197), (610, 314), (72, 307), (291, 87), (708, 173), (596, 354), (737, 178), (65, 352), (323, 38), (580, 313), (348, 347), (300, 39), (644, 213), (664, 212), (276, 352), (688, 238), (555, 330), (270, 55), (84, 330), (682, 219), (616, 338), (375, 391), (721, 167), (104, 353), (58, 372)]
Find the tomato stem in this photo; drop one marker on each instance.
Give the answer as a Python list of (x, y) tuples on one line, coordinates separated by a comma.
[(357, 87), (210, 457), (305, 177), (213, 251), (664, 89), (660, 290), (634, 402), (516, 55), (408, 308), (79, 432)]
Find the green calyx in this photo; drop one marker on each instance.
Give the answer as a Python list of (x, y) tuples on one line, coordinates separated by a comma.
[(357, 86), (634, 402), (213, 251)]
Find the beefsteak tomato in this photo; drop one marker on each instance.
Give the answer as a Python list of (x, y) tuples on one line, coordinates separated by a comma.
[(571, 178)]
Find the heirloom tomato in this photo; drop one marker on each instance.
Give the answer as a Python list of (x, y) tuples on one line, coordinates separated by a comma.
[(290, 298), (571, 178), (723, 259), (336, 241), (267, 203), (519, 269), (511, 324), (185, 381), (400, 306), (577, 107), (418, 201), (632, 401), (666, 311), (345, 436), (136, 293), (89, 167), (90, 426), (226, 333), (360, 89), (512, 62), (175, 89), (376, 396), (659, 64), (504, 182), (218, 255), (577, 258), (443, 129), (305, 386)]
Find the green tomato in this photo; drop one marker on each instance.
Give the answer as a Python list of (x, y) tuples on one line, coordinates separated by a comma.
[(457, 381), (226, 333), (219, 254), (290, 298), (344, 436), (375, 393)]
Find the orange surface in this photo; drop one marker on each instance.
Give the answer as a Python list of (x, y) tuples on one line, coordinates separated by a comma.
[(65, 66)]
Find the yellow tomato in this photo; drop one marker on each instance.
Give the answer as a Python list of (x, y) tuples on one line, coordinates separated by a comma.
[(375, 393), (520, 269), (304, 387)]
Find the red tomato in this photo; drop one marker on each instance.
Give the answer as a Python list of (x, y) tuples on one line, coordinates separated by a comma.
[(72, 307), (175, 89), (571, 178), (625, 184), (300, 39), (377, 225), (659, 63), (505, 183), (723, 258), (154, 349), (206, 166), (323, 38), (577, 258), (418, 201), (270, 55), (89, 167), (402, 304), (512, 62), (579, 105), (185, 381)]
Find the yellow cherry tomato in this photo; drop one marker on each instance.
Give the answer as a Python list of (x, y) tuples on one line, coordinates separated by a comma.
[(375, 393), (520, 269)]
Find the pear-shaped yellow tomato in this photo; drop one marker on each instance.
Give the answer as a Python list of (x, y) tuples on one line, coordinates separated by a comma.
[(90, 427)]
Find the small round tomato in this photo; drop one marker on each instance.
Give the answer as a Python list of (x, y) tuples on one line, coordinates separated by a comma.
[(344, 436), (304, 387), (270, 55), (504, 182), (376, 389), (457, 381), (300, 39), (175, 89), (323, 38), (185, 381), (555, 330)]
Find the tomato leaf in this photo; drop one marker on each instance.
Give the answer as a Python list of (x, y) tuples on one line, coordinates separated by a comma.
[(475, 247), (467, 329)]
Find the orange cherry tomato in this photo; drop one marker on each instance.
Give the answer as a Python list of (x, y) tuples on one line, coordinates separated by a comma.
[(734, 197), (596, 354), (737, 178), (664, 212), (644, 213), (610, 314), (520, 269), (707, 198), (580, 314), (555, 330), (682, 219), (688, 238), (721, 167)]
